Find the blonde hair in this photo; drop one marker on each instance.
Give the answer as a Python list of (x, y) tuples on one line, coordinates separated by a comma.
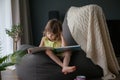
[(54, 26)]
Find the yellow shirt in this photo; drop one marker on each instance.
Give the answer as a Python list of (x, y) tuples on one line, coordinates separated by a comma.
[(54, 44)]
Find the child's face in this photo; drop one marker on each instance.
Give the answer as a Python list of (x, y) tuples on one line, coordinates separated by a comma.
[(51, 36)]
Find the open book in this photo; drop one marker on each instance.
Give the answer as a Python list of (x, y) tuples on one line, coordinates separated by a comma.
[(60, 49)]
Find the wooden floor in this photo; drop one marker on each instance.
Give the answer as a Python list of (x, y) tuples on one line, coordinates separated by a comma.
[(11, 74)]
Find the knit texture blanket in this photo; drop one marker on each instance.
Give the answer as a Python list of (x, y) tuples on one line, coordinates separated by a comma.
[(88, 28)]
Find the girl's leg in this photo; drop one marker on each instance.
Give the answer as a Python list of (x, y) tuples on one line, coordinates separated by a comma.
[(54, 57), (67, 69)]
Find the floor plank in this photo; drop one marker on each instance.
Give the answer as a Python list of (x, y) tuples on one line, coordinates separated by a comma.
[(9, 75)]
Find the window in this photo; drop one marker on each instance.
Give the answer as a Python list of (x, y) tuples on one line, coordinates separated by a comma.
[(5, 23)]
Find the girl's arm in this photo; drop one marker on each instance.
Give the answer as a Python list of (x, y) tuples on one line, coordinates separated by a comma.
[(42, 43), (63, 40)]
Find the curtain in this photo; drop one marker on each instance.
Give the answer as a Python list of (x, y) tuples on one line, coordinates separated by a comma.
[(25, 22)]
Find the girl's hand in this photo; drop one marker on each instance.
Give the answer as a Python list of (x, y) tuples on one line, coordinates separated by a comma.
[(29, 51)]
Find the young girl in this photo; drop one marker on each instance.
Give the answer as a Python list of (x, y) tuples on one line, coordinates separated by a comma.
[(53, 38)]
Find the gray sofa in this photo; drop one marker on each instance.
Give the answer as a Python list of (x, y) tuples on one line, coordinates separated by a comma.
[(39, 66)]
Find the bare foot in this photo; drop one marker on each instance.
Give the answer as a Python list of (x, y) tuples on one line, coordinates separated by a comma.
[(68, 69)]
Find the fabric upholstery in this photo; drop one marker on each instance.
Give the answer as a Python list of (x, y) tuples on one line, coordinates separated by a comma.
[(39, 66)]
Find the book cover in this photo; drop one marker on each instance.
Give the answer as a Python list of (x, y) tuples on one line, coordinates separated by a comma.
[(38, 49), (65, 48), (60, 49)]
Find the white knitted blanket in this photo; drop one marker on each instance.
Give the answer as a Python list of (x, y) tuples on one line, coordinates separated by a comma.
[(88, 27)]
